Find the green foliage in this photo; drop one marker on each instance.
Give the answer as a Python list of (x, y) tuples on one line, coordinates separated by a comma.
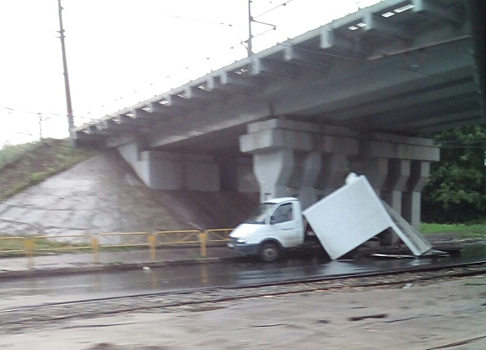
[(456, 230), (9, 153), (456, 188), (30, 164), (36, 178), (16, 245)]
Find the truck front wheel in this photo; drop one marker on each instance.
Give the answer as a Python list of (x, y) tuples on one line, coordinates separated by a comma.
[(269, 252)]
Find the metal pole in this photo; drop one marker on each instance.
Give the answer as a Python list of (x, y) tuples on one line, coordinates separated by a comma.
[(29, 251), (153, 245), (95, 247), (66, 76), (40, 126), (203, 236), (250, 19)]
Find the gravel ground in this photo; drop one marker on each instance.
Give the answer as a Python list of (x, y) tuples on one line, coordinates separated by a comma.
[(445, 314)]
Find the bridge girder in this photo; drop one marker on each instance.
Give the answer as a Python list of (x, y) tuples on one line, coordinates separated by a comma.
[(396, 58)]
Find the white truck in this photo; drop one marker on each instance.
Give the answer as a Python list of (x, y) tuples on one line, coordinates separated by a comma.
[(340, 222)]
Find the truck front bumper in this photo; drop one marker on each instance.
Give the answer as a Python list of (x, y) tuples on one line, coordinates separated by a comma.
[(244, 249)]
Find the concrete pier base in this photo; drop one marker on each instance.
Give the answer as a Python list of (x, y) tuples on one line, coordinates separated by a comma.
[(298, 159), (173, 171)]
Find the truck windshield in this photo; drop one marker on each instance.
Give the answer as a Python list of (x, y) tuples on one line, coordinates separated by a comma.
[(259, 215)]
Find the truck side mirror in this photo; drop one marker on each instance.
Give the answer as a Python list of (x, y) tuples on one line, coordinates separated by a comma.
[(272, 220)]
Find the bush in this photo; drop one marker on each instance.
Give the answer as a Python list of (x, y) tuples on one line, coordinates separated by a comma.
[(456, 189)]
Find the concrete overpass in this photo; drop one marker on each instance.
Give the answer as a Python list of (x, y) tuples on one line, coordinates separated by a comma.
[(356, 94)]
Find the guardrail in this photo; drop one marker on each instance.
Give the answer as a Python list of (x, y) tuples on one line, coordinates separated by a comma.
[(95, 243)]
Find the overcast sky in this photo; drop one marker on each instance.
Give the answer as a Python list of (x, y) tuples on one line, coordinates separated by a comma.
[(123, 51)]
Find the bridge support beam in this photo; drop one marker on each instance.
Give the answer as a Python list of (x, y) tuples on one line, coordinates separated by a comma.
[(309, 161), (236, 173), (419, 172), (172, 171), (397, 168), (298, 159)]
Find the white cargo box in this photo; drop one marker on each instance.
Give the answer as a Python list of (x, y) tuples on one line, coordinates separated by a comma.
[(352, 215)]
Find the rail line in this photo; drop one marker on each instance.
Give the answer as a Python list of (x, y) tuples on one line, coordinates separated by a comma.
[(202, 299)]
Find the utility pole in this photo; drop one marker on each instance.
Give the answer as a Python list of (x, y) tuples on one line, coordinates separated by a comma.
[(40, 126), (66, 76), (250, 36), (251, 20)]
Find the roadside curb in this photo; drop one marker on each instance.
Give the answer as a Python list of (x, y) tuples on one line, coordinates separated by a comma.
[(116, 267)]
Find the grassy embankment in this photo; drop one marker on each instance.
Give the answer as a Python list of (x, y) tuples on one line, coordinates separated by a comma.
[(457, 230), (22, 166), (25, 165)]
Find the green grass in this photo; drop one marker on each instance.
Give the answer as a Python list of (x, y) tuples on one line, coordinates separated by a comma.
[(10, 153), (26, 165), (16, 246), (10, 246), (458, 230)]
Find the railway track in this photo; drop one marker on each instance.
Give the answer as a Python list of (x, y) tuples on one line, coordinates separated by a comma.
[(21, 318)]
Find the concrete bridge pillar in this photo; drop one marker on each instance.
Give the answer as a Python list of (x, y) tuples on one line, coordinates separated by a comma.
[(273, 170), (298, 159), (304, 177), (310, 174), (419, 172), (236, 173), (309, 161), (397, 168), (172, 171), (334, 169), (398, 176), (374, 168)]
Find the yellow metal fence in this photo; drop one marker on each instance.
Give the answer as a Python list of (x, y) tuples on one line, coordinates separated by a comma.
[(94, 243)]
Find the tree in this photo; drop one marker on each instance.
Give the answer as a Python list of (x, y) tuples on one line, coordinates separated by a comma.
[(456, 189)]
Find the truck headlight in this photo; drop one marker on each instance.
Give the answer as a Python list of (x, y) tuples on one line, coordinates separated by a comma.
[(241, 240)]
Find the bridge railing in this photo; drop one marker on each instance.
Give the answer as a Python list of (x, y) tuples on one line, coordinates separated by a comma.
[(32, 246)]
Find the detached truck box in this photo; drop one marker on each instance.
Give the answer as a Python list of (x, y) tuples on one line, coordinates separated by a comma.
[(341, 221), (353, 214)]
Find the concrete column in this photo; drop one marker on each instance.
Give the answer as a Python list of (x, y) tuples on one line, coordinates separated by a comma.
[(290, 158), (246, 181), (411, 203), (334, 169), (157, 170), (172, 171), (163, 170), (273, 170), (375, 170), (236, 173), (396, 183), (397, 167), (311, 167)]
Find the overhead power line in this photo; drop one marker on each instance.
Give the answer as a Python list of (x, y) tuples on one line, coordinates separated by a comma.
[(273, 8), (200, 20)]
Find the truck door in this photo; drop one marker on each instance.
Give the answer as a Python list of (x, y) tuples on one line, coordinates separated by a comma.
[(285, 226)]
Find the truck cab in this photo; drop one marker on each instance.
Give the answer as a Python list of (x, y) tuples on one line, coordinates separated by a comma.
[(275, 225)]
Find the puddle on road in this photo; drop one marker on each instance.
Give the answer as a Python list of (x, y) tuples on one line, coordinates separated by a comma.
[(235, 272)]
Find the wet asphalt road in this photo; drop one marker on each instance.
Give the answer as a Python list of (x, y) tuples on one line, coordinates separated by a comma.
[(235, 273)]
